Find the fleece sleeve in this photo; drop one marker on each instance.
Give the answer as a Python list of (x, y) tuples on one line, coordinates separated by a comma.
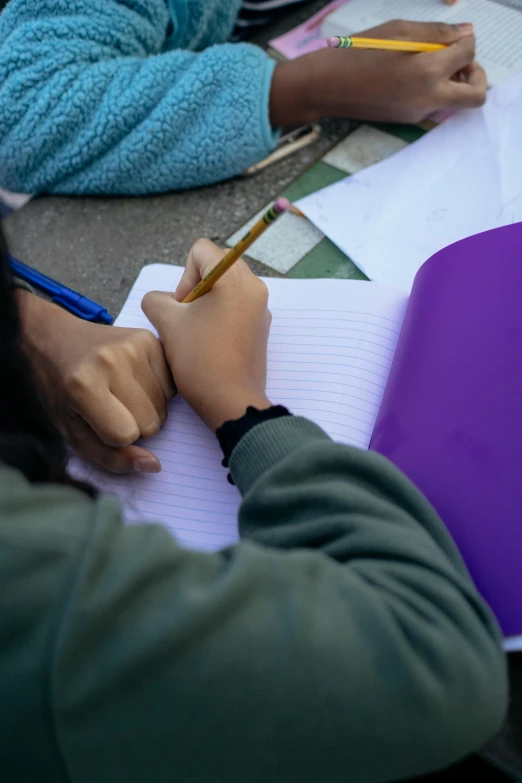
[(342, 639), (91, 102), (197, 24)]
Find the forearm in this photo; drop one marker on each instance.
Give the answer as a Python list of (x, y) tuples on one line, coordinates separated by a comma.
[(43, 326), (292, 100), (41, 321), (321, 84), (305, 89)]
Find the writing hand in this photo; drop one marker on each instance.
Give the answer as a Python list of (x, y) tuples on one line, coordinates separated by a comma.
[(216, 346), (381, 86)]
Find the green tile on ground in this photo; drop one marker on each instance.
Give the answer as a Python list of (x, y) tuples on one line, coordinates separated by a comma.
[(326, 260), (318, 176), (408, 133), (289, 240)]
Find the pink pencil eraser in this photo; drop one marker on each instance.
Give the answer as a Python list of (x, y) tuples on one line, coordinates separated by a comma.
[(281, 205), (333, 41)]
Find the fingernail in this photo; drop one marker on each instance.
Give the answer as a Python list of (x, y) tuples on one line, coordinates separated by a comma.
[(465, 27), (146, 465)]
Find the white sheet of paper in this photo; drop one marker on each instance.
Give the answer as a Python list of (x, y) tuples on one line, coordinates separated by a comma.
[(13, 200), (498, 28), (461, 178), (330, 351)]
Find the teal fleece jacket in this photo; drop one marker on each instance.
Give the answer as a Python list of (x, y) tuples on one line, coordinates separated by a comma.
[(341, 640), (128, 96)]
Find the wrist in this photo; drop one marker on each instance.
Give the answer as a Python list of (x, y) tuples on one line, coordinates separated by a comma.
[(229, 405), (291, 101), (38, 316), (307, 88), (233, 431), (43, 328)]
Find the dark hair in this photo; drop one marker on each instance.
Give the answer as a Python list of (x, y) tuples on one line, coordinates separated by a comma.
[(29, 441)]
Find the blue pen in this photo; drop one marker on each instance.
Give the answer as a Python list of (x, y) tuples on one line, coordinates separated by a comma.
[(60, 294)]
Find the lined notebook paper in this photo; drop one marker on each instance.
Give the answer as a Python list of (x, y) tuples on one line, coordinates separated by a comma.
[(330, 351)]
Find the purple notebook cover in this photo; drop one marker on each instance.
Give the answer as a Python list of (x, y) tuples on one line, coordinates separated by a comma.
[(451, 417)]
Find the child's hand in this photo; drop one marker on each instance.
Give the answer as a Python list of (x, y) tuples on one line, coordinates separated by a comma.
[(105, 387), (217, 345), (381, 86)]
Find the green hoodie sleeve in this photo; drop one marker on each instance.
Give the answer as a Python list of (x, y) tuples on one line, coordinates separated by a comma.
[(341, 640)]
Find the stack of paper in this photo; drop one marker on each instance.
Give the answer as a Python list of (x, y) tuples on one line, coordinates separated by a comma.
[(462, 178)]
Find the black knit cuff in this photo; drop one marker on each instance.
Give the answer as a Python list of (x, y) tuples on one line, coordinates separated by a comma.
[(231, 432)]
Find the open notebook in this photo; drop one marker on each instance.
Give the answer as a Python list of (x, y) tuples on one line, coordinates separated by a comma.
[(498, 25), (434, 383), (331, 348)]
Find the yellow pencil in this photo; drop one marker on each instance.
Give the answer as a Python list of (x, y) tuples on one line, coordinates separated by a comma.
[(296, 211), (237, 251), (344, 42)]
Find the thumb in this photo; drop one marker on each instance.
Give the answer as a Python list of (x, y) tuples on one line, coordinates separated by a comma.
[(162, 310), (137, 459), (203, 256), (129, 459), (126, 459)]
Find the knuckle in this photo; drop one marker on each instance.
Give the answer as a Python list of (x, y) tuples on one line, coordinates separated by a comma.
[(151, 428), (148, 299), (262, 289), (78, 381), (467, 44), (478, 100), (400, 28), (202, 243), (428, 71), (106, 356), (202, 247), (444, 31), (146, 340), (122, 437), (261, 295)]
